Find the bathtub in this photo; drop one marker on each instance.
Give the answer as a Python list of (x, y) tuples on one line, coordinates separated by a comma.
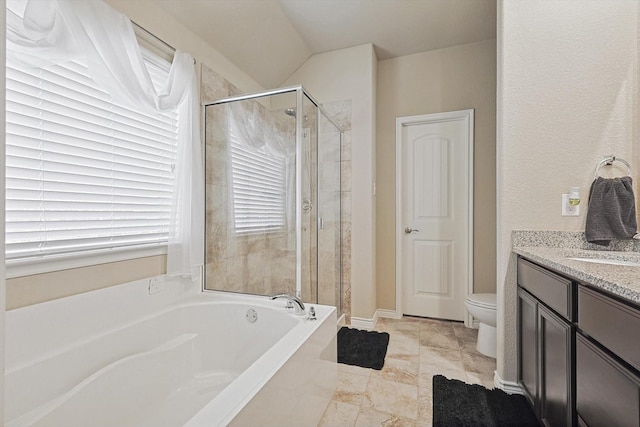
[(205, 359)]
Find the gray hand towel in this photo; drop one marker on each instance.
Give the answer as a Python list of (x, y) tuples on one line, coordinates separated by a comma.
[(612, 210)]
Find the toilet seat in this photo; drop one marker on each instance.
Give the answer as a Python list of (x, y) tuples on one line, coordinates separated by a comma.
[(487, 301)]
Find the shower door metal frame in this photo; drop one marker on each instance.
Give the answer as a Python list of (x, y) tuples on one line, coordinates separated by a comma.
[(299, 196), (300, 94)]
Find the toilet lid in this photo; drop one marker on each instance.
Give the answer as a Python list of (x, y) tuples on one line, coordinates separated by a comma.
[(482, 300)]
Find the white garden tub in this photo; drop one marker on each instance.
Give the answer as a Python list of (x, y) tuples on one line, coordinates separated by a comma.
[(196, 362)]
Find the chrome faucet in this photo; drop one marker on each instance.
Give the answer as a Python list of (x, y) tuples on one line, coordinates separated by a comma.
[(292, 302)]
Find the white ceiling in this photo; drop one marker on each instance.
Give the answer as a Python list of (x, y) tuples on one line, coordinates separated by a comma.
[(270, 39)]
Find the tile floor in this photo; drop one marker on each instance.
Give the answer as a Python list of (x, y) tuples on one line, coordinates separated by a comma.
[(400, 394)]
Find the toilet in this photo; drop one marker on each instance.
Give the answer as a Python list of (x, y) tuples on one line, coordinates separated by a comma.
[(483, 308)]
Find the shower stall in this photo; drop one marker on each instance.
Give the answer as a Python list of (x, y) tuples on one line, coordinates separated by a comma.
[(273, 197)]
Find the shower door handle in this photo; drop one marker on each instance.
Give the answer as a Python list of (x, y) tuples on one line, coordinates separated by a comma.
[(410, 230)]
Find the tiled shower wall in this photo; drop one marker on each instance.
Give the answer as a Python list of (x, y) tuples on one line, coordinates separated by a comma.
[(265, 263), (340, 112)]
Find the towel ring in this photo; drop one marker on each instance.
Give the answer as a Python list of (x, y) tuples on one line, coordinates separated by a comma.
[(608, 161)]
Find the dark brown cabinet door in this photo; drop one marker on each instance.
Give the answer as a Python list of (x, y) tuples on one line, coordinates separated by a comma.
[(528, 346), (607, 393), (555, 366)]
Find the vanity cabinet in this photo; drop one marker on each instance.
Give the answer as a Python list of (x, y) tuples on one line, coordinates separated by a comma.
[(546, 343), (578, 351)]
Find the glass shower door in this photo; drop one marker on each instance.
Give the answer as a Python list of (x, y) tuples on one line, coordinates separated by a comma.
[(250, 156)]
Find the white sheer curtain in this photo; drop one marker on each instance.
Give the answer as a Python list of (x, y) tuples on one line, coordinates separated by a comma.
[(260, 133), (40, 33)]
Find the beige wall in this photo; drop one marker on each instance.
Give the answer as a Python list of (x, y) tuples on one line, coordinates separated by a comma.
[(43, 287), (33, 289), (350, 74), (567, 96), (450, 79), (164, 26)]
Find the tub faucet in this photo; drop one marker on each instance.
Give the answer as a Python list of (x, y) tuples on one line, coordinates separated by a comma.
[(292, 302)]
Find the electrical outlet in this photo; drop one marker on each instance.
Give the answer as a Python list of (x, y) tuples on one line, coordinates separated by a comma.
[(567, 208), (156, 284)]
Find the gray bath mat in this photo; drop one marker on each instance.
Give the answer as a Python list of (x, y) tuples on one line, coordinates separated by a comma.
[(457, 404), (362, 348)]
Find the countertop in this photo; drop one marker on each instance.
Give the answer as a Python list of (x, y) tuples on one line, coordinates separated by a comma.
[(620, 280)]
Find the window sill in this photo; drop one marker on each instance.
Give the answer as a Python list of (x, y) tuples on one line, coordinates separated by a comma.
[(31, 266)]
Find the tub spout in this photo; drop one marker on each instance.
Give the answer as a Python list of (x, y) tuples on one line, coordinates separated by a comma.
[(292, 302)]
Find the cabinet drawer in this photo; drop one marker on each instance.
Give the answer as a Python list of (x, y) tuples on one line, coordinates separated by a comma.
[(551, 289), (607, 394), (613, 324)]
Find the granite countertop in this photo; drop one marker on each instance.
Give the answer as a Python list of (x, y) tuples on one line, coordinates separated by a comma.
[(620, 280)]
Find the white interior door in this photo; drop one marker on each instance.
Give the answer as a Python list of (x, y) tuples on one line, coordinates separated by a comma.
[(434, 213)]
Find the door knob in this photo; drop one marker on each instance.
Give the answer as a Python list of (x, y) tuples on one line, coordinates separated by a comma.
[(410, 230)]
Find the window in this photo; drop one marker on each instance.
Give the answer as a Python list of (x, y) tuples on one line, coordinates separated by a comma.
[(83, 171), (258, 188)]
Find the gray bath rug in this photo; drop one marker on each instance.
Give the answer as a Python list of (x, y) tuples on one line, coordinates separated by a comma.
[(457, 404), (362, 348)]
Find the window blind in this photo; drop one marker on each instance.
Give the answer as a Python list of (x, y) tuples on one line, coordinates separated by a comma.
[(258, 188), (83, 171)]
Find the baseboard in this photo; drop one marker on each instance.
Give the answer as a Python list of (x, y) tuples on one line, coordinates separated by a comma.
[(362, 323), (369, 324), (506, 386), (388, 314)]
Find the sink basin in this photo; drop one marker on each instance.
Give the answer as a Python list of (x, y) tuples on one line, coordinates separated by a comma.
[(606, 261)]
